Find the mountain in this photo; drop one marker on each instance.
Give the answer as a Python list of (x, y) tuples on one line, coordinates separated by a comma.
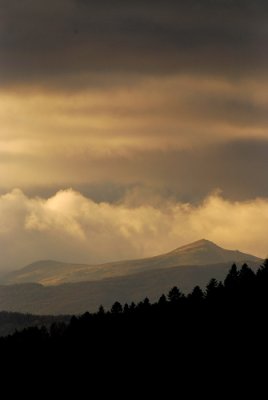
[(10, 322), (202, 252), (76, 298), (50, 287)]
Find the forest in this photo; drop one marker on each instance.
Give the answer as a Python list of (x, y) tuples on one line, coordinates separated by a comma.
[(210, 338), (225, 313)]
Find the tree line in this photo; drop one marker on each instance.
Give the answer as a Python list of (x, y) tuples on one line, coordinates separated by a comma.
[(239, 301), (210, 335)]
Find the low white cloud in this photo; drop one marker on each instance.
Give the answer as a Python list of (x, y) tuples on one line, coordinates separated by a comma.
[(71, 227)]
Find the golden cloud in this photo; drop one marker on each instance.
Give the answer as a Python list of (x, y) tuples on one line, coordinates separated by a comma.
[(71, 227)]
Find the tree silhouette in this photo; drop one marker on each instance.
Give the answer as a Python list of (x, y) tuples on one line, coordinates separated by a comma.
[(132, 307), (211, 289), (174, 295), (197, 295), (162, 300), (231, 280), (126, 309), (145, 304), (116, 308), (101, 310), (262, 273), (246, 278)]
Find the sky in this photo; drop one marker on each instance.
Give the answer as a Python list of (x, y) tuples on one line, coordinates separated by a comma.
[(131, 128)]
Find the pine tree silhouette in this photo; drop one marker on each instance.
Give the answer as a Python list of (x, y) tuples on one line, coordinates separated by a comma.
[(116, 308)]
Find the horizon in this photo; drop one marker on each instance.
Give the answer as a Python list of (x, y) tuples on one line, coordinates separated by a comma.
[(129, 129)]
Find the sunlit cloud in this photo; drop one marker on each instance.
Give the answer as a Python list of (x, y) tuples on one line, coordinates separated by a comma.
[(158, 132), (71, 227), (175, 111)]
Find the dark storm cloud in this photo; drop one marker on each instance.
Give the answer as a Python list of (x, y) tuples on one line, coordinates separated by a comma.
[(231, 109), (237, 168), (54, 42)]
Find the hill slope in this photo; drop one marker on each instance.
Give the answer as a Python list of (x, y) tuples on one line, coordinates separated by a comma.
[(202, 252), (76, 298)]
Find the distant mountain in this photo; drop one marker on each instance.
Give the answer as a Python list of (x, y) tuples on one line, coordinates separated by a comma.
[(50, 287), (13, 321), (76, 298), (202, 252)]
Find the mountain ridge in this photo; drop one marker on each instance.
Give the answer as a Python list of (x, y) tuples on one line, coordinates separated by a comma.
[(79, 297), (198, 253)]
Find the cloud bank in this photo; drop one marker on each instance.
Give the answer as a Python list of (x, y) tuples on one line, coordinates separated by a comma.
[(164, 93), (71, 227), (57, 43), (160, 132)]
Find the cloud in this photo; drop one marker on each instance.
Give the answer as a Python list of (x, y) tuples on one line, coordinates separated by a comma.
[(107, 97), (71, 227), (54, 45), (141, 93), (238, 168), (176, 110), (159, 130)]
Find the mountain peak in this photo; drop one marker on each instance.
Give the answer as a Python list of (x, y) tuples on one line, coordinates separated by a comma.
[(202, 243), (201, 252), (204, 251), (205, 241)]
